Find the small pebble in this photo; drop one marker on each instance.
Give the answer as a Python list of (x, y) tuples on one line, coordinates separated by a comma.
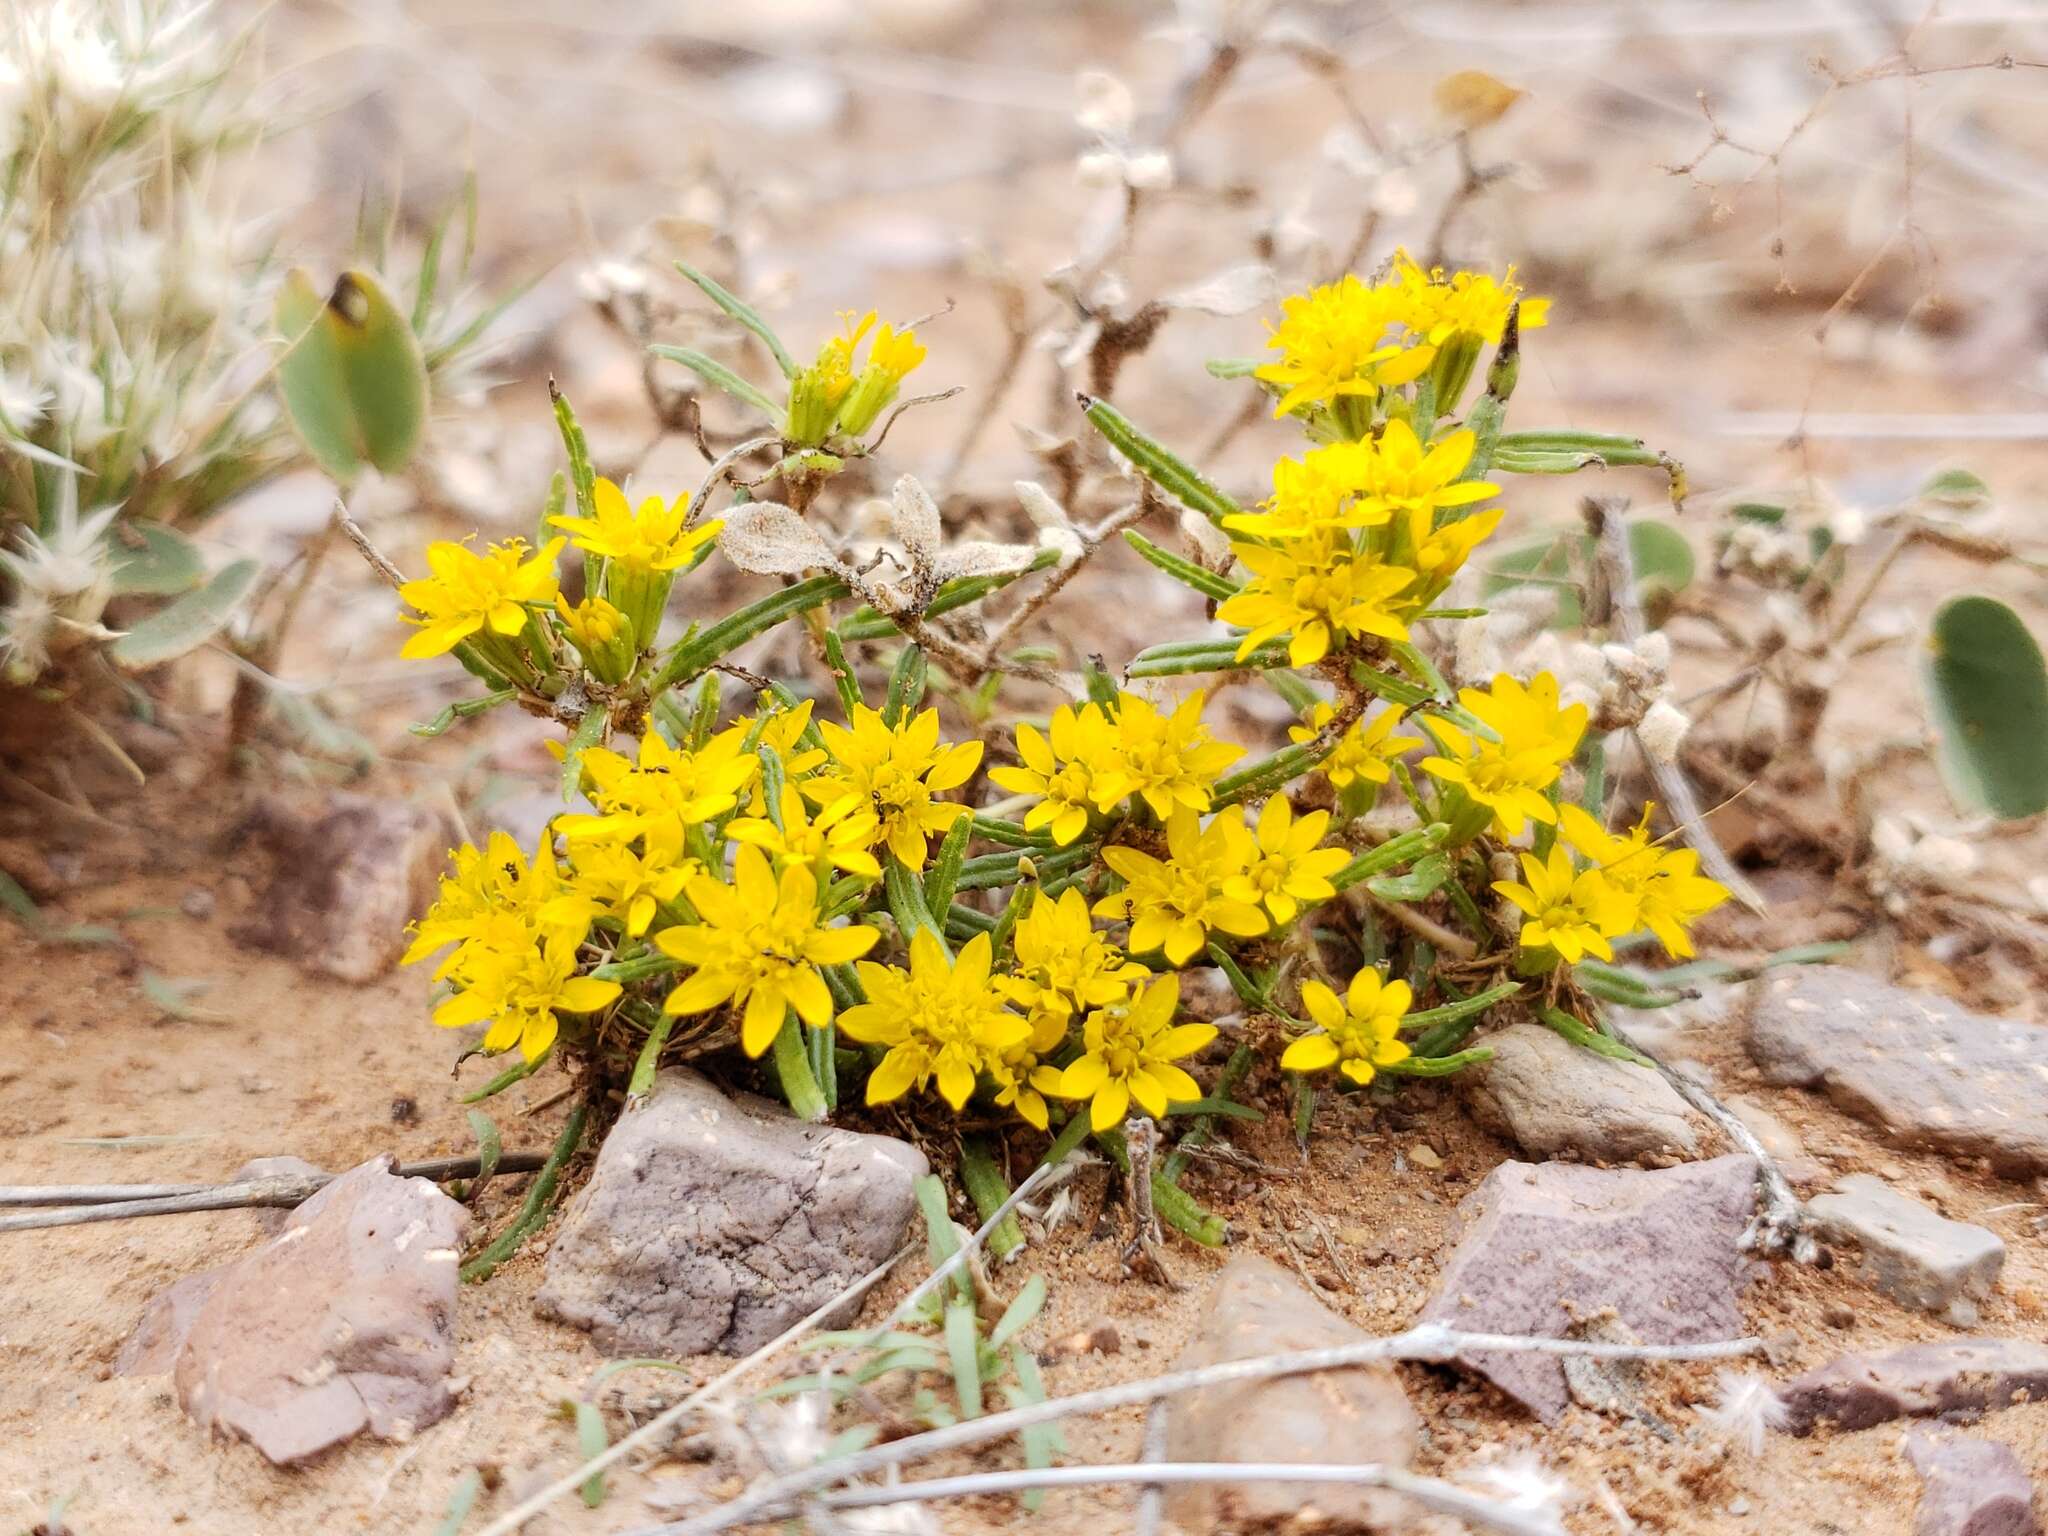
[(1838, 1315), (1423, 1155), (189, 1082), (197, 903)]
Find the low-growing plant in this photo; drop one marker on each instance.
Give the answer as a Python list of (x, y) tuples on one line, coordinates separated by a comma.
[(146, 375), (836, 899)]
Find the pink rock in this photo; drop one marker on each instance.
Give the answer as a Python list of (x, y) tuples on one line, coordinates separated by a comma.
[(1972, 1375), (1974, 1488), (344, 1321), (1543, 1244)]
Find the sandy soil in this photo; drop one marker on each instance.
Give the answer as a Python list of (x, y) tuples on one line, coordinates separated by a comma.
[(945, 146)]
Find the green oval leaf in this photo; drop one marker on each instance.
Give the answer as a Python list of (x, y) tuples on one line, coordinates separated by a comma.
[(160, 564), (188, 623), (1987, 698), (1958, 490), (353, 378)]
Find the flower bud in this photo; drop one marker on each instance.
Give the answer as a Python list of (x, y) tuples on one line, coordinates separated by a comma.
[(602, 635)]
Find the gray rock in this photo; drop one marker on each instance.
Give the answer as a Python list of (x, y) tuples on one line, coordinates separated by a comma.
[(1360, 1415), (1973, 1488), (343, 1322), (1961, 1375), (1927, 1072), (1913, 1254), (1543, 1245), (1549, 1096), (347, 874), (713, 1224)]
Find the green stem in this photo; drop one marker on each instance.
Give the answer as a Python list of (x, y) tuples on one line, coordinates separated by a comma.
[(539, 1201), (519, 1071), (988, 1189), (641, 1083), (793, 1068), (1404, 849), (1199, 1134)]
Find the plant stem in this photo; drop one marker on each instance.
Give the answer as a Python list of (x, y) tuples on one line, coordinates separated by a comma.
[(539, 1201), (793, 1069)]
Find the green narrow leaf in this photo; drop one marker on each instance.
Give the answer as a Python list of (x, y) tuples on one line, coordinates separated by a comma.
[(1019, 1314), (743, 312), (1043, 1443), (1157, 463), (716, 374), (1186, 572), (591, 1440), (1957, 490), (460, 1503), (187, 623), (1987, 698), (961, 1349), (462, 709), (986, 1187), (18, 901), (943, 877), (162, 564), (1418, 884), (519, 1071)]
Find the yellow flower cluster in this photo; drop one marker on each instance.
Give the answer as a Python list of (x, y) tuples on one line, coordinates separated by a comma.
[(839, 394), (1626, 884), (1090, 761), (517, 928), (1225, 877), (1504, 773), (1347, 340), (1357, 539), (494, 602), (946, 1021)]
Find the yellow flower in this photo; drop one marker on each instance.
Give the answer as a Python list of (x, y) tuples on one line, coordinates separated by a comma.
[(667, 790), (1366, 752), (1472, 303), (1023, 1078), (1333, 342), (629, 887), (1062, 771), (469, 592), (1358, 1034), (520, 992), (1401, 477), (1288, 870), (651, 538), (839, 835), (1175, 904), (1441, 554), (940, 1019), (1318, 588), (1168, 760), (840, 394), (783, 728), (895, 773), (1664, 889), (758, 946), (495, 901), (1128, 1055), (1508, 775), (1319, 490), (1570, 911), (1063, 965)]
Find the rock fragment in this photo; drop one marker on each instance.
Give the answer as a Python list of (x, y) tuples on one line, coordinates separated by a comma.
[(344, 1321), (713, 1224), (1542, 1246), (1361, 1415), (1959, 1375), (1911, 1252), (1550, 1097), (1925, 1071)]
